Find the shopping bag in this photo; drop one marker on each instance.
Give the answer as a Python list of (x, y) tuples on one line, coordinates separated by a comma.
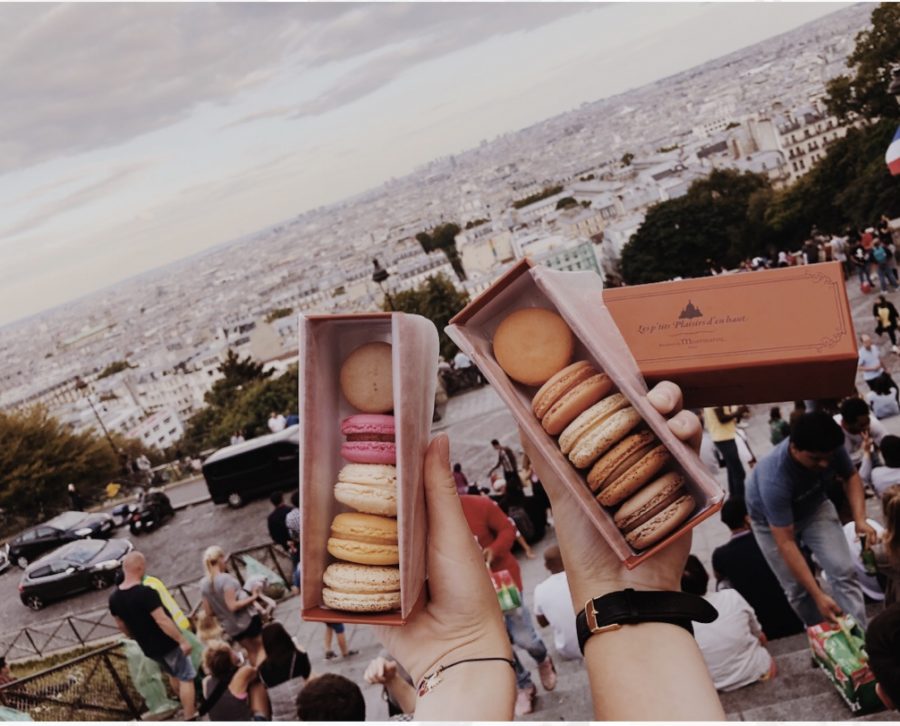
[(839, 649), (507, 593)]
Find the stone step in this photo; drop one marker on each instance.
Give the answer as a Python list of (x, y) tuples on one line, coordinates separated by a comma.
[(826, 706), (788, 645), (796, 679)]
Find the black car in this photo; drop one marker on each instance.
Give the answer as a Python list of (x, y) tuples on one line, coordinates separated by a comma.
[(150, 512), (90, 564), (254, 468), (66, 527)]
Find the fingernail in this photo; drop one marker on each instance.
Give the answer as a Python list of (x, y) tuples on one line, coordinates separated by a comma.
[(442, 442)]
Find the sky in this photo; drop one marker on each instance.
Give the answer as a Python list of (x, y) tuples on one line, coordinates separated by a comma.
[(132, 135)]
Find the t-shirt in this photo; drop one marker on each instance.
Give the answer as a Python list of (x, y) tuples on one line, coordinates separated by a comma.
[(883, 405), (719, 431), (730, 644), (854, 442), (134, 606), (870, 357), (553, 600), (881, 477), (780, 491), (278, 530), (233, 623), (740, 562), (493, 530)]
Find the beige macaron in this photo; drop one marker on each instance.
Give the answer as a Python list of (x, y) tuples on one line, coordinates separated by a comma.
[(361, 588), (370, 488), (626, 467), (655, 511)]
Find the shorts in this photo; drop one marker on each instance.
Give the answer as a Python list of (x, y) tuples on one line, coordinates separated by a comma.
[(253, 630), (178, 665), (336, 627)]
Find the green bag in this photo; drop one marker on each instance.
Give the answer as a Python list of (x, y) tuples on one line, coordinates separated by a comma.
[(11, 714), (840, 651), (148, 679)]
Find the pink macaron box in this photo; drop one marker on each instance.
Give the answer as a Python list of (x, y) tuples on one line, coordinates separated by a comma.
[(577, 298), (325, 342)]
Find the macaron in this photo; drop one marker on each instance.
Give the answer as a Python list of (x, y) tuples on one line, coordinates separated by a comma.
[(532, 344), (369, 488), (366, 539), (369, 439), (626, 467), (655, 511), (567, 394), (589, 419), (361, 588), (367, 379)]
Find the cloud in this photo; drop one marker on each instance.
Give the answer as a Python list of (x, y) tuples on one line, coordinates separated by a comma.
[(78, 77), (78, 198)]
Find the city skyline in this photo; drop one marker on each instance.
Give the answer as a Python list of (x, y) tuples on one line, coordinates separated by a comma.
[(107, 177)]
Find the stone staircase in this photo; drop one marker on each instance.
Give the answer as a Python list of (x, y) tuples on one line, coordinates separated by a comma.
[(800, 692)]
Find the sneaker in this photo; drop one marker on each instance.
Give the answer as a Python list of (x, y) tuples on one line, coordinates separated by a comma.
[(895, 349), (330, 655), (525, 700), (548, 674), (351, 653)]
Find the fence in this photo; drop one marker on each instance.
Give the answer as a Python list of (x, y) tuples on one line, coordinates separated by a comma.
[(72, 631), (93, 687)]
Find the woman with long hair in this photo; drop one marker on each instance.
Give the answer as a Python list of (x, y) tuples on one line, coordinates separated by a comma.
[(222, 597), (887, 551), (283, 672), (232, 690)]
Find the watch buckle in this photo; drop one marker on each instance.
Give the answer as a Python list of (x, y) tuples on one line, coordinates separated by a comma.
[(590, 615)]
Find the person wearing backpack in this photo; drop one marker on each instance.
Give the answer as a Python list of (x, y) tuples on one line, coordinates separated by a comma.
[(886, 319), (882, 258)]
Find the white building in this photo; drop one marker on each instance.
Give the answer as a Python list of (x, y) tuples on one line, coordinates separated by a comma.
[(161, 430)]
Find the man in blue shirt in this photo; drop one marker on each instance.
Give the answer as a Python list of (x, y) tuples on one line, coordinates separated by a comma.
[(786, 501)]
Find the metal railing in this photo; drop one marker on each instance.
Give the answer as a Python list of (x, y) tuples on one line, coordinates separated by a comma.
[(93, 687), (93, 626)]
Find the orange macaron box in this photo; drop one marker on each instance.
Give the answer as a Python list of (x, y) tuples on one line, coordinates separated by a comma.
[(367, 385), (551, 350)]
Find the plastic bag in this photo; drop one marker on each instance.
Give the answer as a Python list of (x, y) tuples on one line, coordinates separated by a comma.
[(11, 714), (148, 679), (257, 570)]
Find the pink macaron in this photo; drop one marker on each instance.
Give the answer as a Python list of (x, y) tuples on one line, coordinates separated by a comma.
[(370, 439)]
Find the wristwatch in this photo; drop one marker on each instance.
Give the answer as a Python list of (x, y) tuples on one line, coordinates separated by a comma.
[(626, 607)]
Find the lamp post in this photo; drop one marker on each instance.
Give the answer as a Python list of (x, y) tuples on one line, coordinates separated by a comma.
[(379, 276), (82, 386)]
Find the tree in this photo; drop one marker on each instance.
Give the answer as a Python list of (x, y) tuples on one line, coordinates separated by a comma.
[(236, 373), (865, 92), (246, 410), (443, 237), (113, 368), (39, 458), (627, 158), (436, 299), (567, 202), (277, 313), (712, 221)]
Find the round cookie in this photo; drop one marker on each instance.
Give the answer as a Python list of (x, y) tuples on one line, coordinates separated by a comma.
[(627, 467), (655, 511), (573, 402), (603, 436), (367, 378), (590, 418), (552, 390), (361, 588), (370, 439), (532, 344), (366, 539), (370, 488)]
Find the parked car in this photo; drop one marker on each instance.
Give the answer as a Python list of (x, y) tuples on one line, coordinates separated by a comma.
[(65, 527), (151, 511), (254, 468), (4, 557), (90, 564)]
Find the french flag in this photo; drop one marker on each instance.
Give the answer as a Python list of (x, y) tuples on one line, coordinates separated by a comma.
[(892, 157)]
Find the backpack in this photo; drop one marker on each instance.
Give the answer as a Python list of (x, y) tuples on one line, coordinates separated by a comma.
[(880, 254)]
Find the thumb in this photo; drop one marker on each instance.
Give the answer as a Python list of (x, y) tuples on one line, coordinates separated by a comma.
[(446, 521)]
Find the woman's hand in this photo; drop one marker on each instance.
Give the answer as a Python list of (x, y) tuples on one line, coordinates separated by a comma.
[(591, 567), (462, 618)]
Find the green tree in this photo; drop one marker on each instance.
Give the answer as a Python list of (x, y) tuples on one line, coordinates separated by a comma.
[(113, 368), (277, 313), (39, 458), (865, 91), (443, 237), (712, 221), (246, 410), (566, 203), (437, 299), (627, 158), (236, 373)]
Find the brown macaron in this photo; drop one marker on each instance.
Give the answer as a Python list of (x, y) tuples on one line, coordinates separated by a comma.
[(603, 436), (627, 467), (655, 511), (576, 399), (565, 380)]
